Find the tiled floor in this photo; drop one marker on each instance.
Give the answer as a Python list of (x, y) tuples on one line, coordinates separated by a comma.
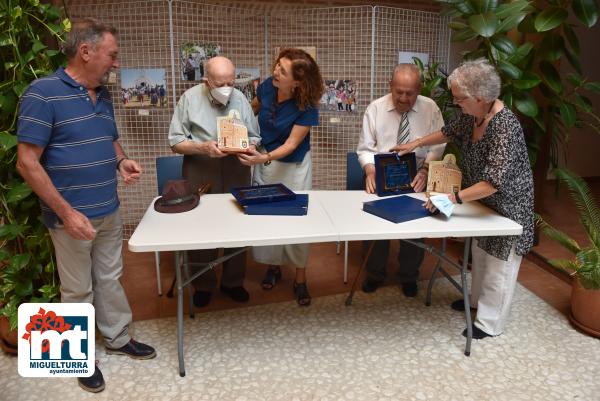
[(325, 268)]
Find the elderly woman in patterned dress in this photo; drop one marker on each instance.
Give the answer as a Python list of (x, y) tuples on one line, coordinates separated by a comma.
[(496, 171)]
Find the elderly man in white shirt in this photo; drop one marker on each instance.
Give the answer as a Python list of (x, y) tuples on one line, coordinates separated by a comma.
[(398, 117)]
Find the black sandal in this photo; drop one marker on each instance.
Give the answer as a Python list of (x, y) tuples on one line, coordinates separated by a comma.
[(272, 276), (302, 295)]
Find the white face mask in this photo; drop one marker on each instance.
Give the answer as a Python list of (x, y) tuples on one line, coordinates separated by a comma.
[(222, 94)]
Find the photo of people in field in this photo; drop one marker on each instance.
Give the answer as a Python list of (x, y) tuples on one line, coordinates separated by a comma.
[(143, 87)]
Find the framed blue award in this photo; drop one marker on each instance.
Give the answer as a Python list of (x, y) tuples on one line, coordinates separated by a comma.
[(394, 173)]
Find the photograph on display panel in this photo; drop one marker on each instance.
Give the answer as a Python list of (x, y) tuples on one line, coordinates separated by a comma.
[(247, 80), (145, 87), (339, 95), (193, 56), (408, 57)]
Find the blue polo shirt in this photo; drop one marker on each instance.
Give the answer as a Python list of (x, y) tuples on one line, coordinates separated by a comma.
[(276, 121), (57, 114)]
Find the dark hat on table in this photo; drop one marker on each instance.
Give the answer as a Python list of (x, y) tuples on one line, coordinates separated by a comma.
[(177, 197)]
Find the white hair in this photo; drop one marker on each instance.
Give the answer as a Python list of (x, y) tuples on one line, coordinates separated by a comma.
[(477, 78)]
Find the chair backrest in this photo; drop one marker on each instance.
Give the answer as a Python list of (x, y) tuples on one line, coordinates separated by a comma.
[(168, 168), (354, 172)]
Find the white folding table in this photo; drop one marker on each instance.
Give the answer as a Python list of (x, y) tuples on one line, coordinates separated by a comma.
[(218, 222)]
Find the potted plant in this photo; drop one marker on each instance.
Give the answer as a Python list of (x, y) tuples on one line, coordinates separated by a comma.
[(27, 267), (585, 267)]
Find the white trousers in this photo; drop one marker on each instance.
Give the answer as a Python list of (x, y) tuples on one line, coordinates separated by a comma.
[(297, 177), (492, 287)]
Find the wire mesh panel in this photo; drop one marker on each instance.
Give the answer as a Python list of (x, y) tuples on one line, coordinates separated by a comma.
[(341, 37), (408, 31), (143, 32), (231, 32)]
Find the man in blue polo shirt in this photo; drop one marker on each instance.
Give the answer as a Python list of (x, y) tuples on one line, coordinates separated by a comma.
[(69, 154)]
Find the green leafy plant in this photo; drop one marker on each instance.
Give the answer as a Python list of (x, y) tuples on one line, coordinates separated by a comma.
[(435, 86), (505, 33), (27, 266), (586, 265)]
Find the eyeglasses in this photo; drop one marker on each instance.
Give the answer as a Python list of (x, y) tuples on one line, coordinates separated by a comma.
[(460, 99)]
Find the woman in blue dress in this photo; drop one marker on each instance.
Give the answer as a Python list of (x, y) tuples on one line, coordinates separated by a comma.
[(287, 107)]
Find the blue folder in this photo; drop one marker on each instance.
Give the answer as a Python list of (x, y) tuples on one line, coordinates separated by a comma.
[(397, 209), (294, 207)]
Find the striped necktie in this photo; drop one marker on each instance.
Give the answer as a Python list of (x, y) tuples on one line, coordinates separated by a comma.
[(403, 129)]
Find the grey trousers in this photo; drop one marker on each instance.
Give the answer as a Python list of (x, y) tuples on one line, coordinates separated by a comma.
[(223, 174), (410, 258), (89, 272)]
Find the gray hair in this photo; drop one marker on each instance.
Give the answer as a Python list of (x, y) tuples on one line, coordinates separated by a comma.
[(85, 30), (407, 68), (477, 78)]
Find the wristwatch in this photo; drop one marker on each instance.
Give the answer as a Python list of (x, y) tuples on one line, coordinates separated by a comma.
[(268, 159), (458, 200)]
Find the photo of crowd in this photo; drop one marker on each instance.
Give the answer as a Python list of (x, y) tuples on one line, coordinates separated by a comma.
[(143, 87), (339, 95), (192, 59)]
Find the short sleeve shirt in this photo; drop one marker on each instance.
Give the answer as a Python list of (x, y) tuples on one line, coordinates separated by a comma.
[(499, 158), (77, 135), (276, 121)]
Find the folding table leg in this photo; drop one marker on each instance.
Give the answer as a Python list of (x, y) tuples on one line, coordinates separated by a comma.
[(465, 289), (186, 270), (436, 270), (363, 264), (345, 262), (179, 315), (157, 265)]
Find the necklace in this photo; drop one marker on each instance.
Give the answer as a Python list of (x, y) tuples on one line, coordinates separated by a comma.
[(479, 124)]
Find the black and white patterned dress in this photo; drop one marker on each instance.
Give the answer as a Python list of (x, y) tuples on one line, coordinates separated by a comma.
[(499, 158)]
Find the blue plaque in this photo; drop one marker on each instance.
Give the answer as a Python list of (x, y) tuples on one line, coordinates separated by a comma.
[(394, 173), (262, 194)]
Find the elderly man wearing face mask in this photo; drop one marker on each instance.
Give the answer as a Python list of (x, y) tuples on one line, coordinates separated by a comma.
[(193, 133)]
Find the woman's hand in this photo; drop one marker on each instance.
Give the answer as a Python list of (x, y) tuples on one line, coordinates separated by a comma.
[(252, 157), (405, 147), (429, 205)]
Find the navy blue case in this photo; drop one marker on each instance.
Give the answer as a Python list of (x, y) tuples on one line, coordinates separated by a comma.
[(294, 207), (262, 194), (397, 209), (394, 173)]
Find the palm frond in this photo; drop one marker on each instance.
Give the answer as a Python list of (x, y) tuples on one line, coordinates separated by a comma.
[(588, 272), (557, 235), (585, 202), (564, 264)]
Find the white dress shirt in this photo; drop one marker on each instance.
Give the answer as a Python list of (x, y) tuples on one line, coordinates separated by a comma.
[(380, 129)]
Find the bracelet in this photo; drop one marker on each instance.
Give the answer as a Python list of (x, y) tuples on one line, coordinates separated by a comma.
[(121, 161), (268, 159)]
